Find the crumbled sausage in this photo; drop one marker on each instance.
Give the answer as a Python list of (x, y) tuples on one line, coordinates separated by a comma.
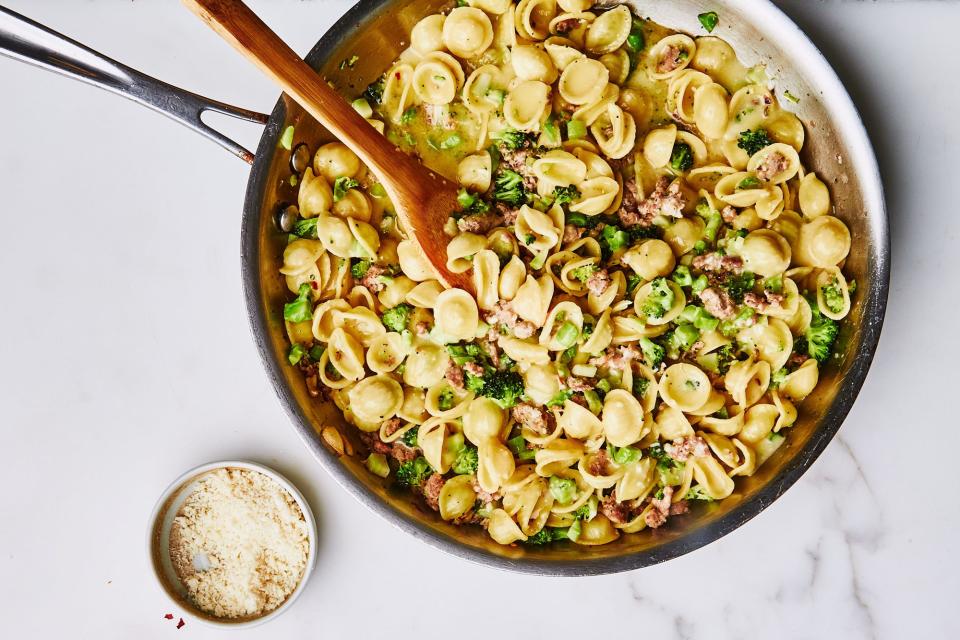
[(371, 279), (536, 419), (660, 509), (454, 376), (571, 233), (564, 27), (391, 426), (509, 213), (439, 116), (599, 463), (615, 511), (479, 222), (402, 453), (629, 212), (489, 345), (617, 357), (422, 328), (473, 369), (715, 262), (578, 384), (431, 490), (516, 159), (503, 314), (773, 164), (682, 449), (718, 302), (666, 199), (483, 495), (598, 282), (670, 60), (373, 442), (769, 300), (795, 360), (729, 214)]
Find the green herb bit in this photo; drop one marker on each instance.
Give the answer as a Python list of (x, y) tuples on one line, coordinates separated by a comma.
[(709, 20), (301, 309), (409, 115), (348, 63), (792, 98), (451, 141), (286, 139)]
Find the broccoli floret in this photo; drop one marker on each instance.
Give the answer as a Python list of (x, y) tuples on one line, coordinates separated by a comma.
[(301, 309), (471, 202), (565, 195), (414, 472), (561, 397), (461, 354), (473, 383), (682, 338), (754, 141), (712, 218), (697, 493), (409, 437), (466, 461), (833, 296), (548, 535), (821, 335), (503, 387), (640, 386), (633, 281), (306, 228), (624, 455), (564, 490), (397, 318), (682, 276), (612, 239), (341, 185), (374, 92), (359, 268), (739, 284), (583, 273), (518, 445), (682, 157), (652, 352), (513, 139), (296, 353), (445, 399), (588, 510), (779, 376), (659, 300), (508, 187)]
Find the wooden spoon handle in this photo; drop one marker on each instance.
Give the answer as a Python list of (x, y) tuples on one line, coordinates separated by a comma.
[(241, 27)]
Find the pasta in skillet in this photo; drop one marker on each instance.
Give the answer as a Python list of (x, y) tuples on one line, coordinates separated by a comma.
[(659, 278)]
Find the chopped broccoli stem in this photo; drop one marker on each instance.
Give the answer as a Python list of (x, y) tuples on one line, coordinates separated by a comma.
[(296, 353), (341, 186), (521, 449), (709, 20), (612, 239), (624, 455)]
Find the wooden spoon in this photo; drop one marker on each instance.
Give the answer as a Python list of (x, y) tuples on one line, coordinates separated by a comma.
[(423, 198)]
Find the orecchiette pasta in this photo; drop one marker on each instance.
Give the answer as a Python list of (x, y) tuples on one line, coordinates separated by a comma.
[(658, 278)]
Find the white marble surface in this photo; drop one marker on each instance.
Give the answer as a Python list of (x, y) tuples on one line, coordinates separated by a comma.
[(127, 359)]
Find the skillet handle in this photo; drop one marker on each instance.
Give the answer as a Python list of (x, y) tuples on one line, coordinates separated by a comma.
[(30, 42)]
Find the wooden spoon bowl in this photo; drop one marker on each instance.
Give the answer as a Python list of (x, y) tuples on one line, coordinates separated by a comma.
[(423, 199)]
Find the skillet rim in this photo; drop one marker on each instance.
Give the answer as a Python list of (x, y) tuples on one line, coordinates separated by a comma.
[(849, 386)]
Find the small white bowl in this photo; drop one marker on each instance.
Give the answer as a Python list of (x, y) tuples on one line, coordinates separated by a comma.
[(158, 541)]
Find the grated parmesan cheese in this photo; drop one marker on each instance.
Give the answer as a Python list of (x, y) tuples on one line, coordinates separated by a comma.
[(239, 544)]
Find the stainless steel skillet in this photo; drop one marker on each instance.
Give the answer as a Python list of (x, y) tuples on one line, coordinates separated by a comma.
[(838, 149)]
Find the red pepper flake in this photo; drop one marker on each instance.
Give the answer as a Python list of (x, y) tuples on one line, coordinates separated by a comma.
[(181, 623), (397, 75), (313, 283), (168, 616)]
